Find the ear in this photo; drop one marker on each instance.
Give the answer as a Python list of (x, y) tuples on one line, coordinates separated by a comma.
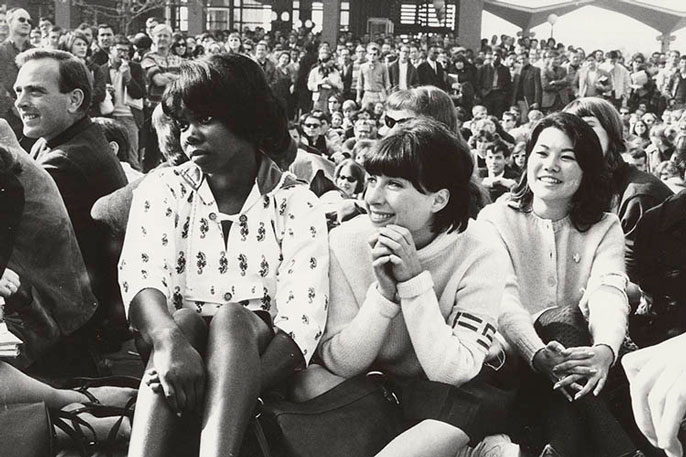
[(76, 99), (441, 198), (114, 147)]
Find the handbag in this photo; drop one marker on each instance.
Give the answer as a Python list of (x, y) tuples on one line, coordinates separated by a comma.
[(25, 430), (356, 418)]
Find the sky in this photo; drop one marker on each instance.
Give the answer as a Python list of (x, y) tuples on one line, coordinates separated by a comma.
[(595, 28)]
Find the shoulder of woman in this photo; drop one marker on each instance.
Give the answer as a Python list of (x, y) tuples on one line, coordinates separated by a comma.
[(352, 233)]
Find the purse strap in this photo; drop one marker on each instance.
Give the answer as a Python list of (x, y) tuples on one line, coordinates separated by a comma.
[(259, 431)]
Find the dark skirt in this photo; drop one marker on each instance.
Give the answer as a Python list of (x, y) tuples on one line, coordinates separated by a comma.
[(479, 407)]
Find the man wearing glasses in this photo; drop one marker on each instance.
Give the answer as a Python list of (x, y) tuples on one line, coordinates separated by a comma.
[(127, 83), (19, 22)]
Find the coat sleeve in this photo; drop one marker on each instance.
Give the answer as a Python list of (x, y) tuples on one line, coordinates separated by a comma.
[(302, 289)]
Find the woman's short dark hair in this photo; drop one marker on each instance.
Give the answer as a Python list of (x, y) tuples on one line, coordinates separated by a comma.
[(355, 169), (432, 158), (234, 89), (609, 119), (593, 197)]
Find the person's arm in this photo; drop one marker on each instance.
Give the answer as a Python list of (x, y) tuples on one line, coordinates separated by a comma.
[(136, 86), (538, 90), (354, 332), (452, 350), (360, 85), (313, 80), (148, 254), (99, 83), (302, 287), (630, 213), (608, 310)]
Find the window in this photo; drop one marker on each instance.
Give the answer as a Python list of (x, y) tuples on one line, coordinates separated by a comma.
[(424, 15)]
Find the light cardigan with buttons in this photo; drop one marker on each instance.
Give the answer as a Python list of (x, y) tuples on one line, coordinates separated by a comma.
[(557, 265), (275, 260), (444, 323)]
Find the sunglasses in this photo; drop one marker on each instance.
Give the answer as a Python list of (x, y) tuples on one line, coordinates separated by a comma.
[(390, 122), (312, 126), (350, 179), (24, 20), (180, 45)]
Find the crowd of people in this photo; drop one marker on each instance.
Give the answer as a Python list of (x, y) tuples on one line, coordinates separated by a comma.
[(500, 231)]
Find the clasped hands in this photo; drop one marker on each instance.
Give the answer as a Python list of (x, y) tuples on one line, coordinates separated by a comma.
[(394, 258), (575, 371)]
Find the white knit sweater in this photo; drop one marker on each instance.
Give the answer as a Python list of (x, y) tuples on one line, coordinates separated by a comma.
[(557, 265), (445, 321)]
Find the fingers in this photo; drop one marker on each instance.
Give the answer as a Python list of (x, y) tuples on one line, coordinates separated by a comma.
[(578, 353), (586, 389), (569, 381), (600, 385), (555, 346), (582, 367), (170, 394)]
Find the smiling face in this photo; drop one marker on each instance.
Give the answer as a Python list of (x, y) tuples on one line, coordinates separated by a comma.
[(396, 201), (346, 181), (20, 23), (553, 173), (44, 110)]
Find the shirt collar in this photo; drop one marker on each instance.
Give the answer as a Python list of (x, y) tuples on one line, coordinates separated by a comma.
[(76, 128), (269, 177)]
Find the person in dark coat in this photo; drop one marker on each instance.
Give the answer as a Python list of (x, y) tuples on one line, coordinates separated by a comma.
[(76, 154), (408, 77), (431, 72)]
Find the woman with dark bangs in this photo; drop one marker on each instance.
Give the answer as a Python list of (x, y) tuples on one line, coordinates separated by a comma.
[(432, 102), (566, 313), (224, 265), (416, 287)]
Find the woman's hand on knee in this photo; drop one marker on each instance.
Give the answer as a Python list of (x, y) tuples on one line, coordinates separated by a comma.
[(181, 374), (592, 363)]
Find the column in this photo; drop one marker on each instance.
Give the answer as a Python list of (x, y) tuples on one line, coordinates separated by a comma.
[(196, 18), (332, 21), (66, 15), (469, 23)]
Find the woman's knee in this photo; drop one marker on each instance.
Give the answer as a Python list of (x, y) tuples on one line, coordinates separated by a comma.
[(192, 325)]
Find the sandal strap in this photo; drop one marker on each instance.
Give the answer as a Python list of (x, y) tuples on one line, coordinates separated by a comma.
[(92, 399)]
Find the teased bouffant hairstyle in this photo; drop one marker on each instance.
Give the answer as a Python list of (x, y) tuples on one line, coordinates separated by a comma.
[(431, 157), (592, 199), (234, 89)]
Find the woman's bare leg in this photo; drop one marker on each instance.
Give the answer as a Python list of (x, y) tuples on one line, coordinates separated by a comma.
[(429, 437), (236, 340), (17, 387), (155, 423)]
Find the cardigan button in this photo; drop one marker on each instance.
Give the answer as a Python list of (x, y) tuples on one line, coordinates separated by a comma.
[(551, 281), (228, 296), (213, 216)]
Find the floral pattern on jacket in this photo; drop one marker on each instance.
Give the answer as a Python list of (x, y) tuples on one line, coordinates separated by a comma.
[(275, 259)]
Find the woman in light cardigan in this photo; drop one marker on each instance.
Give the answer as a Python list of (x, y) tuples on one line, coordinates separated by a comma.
[(568, 257), (415, 292)]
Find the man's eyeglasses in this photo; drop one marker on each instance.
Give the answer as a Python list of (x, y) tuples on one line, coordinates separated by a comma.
[(350, 179), (25, 20), (390, 122), (312, 126)]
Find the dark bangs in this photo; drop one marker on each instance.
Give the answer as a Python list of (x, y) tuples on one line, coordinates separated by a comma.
[(427, 154), (234, 89), (396, 156), (192, 91)]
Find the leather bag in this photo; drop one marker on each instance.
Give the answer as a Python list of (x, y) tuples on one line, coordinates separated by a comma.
[(356, 418)]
